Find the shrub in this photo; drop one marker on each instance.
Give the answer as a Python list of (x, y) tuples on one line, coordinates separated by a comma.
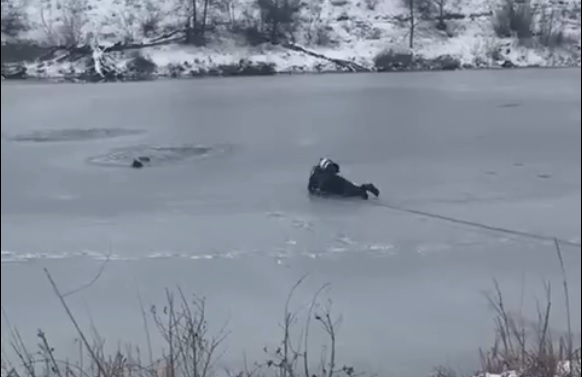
[(391, 60), (190, 347), (140, 67), (513, 17), (253, 35), (74, 18), (372, 4), (149, 26), (150, 19), (322, 35), (247, 68), (175, 70), (14, 20), (375, 34), (279, 17), (551, 30), (444, 63)]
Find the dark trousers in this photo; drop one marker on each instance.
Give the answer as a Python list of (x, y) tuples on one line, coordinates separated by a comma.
[(338, 185)]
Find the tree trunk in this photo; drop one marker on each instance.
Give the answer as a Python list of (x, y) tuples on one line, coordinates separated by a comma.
[(441, 23), (275, 14), (411, 36), (274, 26), (194, 20), (204, 16), (188, 30), (232, 16)]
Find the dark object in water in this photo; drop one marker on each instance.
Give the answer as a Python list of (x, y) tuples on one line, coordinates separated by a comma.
[(137, 164), (140, 162)]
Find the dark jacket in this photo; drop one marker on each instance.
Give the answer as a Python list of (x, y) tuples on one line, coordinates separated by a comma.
[(326, 183)]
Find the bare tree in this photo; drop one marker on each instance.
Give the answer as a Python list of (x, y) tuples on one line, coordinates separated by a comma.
[(419, 10), (279, 16), (73, 14), (441, 4), (14, 20), (196, 23), (411, 4), (411, 36), (124, 17), (514, 17), (204, 18), (429, 10), (46, 11), (315, 27), (150, 18), (227, 7)]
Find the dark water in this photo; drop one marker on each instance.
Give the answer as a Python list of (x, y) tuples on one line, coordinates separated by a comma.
[(222, 208)]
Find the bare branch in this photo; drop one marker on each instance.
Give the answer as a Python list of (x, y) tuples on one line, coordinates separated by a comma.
[(74, 321), (570, 346), (92, 281)]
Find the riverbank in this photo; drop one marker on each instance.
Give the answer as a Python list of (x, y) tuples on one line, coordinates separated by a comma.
[(334, 36)]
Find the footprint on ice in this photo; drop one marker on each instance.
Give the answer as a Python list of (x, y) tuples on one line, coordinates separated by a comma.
[(276, 215), (510, 105), (301, 224), (73, 134)]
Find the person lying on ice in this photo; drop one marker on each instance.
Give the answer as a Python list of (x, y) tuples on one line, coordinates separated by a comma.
[(325, 180)]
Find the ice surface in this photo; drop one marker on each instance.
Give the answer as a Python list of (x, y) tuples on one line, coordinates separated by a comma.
[(239, 227)]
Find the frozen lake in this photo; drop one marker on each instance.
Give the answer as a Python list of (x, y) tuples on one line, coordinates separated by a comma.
[(224, 212)]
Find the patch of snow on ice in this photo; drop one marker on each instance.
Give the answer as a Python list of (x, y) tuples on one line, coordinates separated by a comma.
[(22, 257)]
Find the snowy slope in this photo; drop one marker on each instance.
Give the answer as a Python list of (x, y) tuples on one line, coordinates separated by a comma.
[(355, 30)]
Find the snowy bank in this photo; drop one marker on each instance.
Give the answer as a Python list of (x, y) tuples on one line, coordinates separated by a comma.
[(262, 37), (564, 369)]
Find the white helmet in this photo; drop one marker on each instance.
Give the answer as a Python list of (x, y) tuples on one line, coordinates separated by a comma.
[(326, 164)]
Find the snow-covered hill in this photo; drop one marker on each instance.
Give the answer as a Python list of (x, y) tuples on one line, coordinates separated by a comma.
[(471, 33)]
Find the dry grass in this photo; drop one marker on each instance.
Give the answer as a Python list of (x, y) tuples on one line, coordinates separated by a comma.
[(532, 349), (524, 348), (190, 349)]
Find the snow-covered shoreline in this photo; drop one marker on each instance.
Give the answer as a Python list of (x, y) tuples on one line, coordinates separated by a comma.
[(176, 61), (327, 36)]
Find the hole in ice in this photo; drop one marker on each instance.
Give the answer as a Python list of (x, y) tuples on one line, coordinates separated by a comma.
[(510, 105), (151, 155)]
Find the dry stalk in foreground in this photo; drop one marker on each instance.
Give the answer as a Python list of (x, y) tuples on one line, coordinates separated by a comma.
[(532, 351), (189, 350)]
